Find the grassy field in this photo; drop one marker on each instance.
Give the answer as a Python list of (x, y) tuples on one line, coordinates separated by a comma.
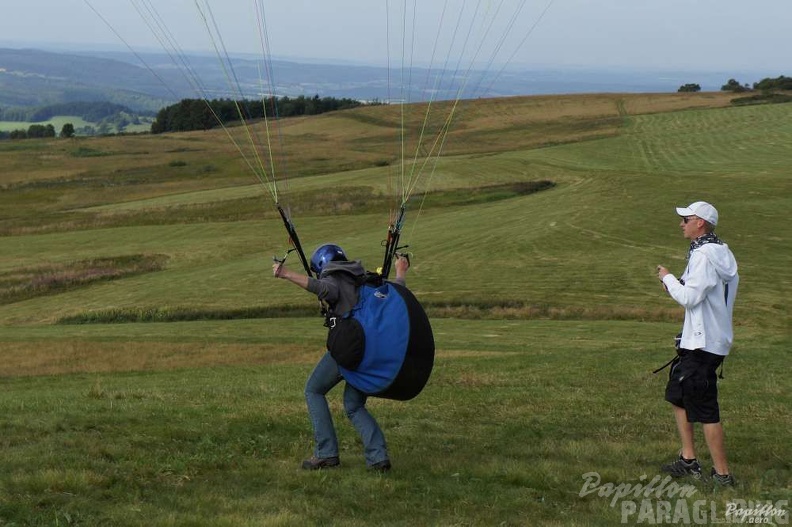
[(548, 318)]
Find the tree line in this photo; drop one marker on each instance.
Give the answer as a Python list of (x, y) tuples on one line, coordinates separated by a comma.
[(104, 118), (766, 85), (199, 114), (186, 115), (39, 131), (89, 111)]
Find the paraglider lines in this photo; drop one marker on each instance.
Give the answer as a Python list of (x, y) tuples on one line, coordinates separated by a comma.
[(486, 17)]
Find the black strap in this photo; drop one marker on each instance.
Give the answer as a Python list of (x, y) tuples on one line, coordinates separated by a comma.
[(666, 365), (669, 363)]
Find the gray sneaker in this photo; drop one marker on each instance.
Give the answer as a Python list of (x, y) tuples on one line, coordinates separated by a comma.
[(722, 480), (681, 468)]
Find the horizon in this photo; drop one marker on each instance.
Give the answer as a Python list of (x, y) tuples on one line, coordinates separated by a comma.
[(99, 49), (711, 35)]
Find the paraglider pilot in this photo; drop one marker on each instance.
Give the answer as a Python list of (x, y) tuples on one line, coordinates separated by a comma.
[(337, 286)]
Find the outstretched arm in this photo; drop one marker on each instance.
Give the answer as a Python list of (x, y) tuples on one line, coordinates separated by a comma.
[(279, 271)]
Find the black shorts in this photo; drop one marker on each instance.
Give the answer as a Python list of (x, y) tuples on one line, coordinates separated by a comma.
[(693, 385)]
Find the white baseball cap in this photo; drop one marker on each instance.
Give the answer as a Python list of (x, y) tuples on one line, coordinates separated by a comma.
[(702, 209)]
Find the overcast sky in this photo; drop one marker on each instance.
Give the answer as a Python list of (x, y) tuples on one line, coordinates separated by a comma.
[(698, 35)]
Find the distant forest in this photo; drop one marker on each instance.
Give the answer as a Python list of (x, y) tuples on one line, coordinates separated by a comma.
[(103, 118), (93, 112), (198, 114), (186, 115)]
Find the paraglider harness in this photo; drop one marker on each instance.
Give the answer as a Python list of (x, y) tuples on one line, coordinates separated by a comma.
[(383, 345), (346, 338)]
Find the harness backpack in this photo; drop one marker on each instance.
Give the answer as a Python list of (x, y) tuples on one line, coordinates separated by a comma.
[(384, 345)]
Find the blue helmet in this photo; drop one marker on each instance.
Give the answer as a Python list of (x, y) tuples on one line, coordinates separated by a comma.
[(325, 254)]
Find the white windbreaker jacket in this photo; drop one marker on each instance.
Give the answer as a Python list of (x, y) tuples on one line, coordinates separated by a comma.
[(708, 295)]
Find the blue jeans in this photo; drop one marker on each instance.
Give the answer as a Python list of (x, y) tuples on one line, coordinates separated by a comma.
[(321, 381)]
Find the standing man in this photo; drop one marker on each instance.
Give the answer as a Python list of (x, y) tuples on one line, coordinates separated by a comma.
[(706, 290)]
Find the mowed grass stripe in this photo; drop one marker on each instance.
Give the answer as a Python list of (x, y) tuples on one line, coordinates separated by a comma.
[(704, 141), (731, 139)]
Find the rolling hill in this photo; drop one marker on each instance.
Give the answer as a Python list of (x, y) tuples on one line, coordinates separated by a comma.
[(37, 78)]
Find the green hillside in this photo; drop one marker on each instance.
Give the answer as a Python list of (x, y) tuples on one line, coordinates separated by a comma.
[(547, 313)]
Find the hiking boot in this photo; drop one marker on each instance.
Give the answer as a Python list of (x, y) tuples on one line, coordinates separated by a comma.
[(722, 480), (381, 466), (316, 463), (681, 468)]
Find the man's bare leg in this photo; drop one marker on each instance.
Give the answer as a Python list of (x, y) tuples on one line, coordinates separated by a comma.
[(685, 433), (713, 434)]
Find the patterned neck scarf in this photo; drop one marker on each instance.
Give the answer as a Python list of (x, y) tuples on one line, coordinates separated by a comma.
[(704, 239)]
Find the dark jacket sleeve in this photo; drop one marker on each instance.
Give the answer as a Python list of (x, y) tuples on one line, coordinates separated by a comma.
[(325, 289)]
